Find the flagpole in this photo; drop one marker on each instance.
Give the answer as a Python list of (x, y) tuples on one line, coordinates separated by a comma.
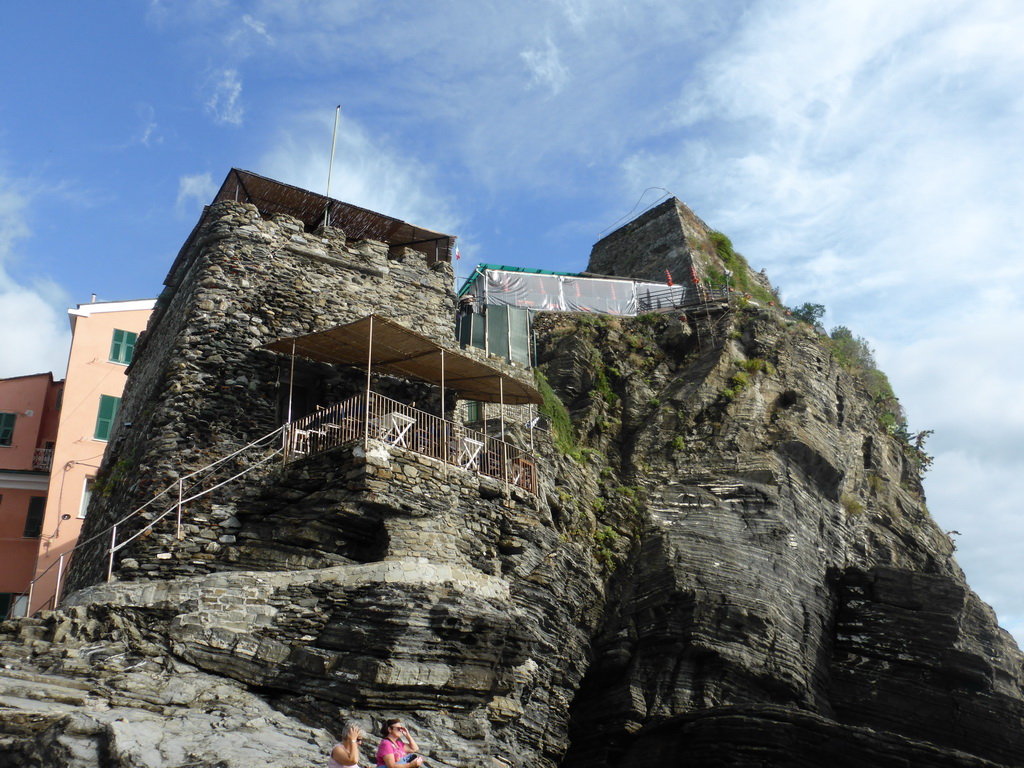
[(330, 169)]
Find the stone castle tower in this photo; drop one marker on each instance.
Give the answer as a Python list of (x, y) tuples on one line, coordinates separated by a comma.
[(258, 266), (669, 238)]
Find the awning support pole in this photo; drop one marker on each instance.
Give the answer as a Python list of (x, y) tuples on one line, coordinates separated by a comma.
[(369, 368), (533, 419), (444, 421), (287, 434), (504, 445), (501, 396)]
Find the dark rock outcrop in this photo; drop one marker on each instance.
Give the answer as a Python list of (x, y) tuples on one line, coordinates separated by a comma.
[(733, 566)]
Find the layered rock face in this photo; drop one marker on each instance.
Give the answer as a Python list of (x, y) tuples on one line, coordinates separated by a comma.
[(726, 570), (783, 556)]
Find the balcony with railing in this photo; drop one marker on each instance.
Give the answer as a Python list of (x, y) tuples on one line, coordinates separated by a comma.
[(42, 459), (373, 417)]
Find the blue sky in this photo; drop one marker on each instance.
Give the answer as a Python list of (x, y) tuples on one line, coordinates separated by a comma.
[(867, 154)]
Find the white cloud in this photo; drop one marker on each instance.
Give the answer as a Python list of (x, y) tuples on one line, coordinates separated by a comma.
[(35, 347), (198, 189), (545, 66), (367, 172), (13, 224), (224, 101), (34, 333), (257, 28), (989, 524), (147, 134), (515, 104)]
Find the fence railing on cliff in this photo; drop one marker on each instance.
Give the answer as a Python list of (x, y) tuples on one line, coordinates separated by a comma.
[(175, 496), (371, 416), (679, 297)]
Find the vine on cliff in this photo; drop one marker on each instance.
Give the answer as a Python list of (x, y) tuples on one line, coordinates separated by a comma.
[(558, 415), (855, 355), (737, 264)]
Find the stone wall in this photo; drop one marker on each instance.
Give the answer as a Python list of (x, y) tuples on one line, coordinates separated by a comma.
[(201, 386), (669, 236)]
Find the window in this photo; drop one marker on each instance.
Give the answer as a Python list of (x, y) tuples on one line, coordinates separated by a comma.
[(105, 417), (86, 496), (122, 347), (34, 521), (6, 428), (8, 600)]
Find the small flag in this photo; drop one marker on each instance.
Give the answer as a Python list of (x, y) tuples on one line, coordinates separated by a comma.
[(669, 276), (458, 254)]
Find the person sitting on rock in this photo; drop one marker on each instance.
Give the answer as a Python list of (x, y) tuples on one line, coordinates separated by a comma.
[(346, 753), (397, 747)]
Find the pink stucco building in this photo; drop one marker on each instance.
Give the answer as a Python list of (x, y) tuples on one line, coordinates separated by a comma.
[(29, 412), (103, 336)]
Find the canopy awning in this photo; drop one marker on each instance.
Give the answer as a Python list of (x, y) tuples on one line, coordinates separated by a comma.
[(271, 197), (400, 351)]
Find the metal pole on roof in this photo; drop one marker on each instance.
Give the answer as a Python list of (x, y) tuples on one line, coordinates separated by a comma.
[(330, 169)]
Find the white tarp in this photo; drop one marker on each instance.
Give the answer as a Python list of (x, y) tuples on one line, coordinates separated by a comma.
[(570, 293)]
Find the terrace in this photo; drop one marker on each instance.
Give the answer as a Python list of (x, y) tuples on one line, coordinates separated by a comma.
[(384, 346)]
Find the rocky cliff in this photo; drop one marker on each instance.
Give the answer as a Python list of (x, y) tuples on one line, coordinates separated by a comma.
[(729, 562)]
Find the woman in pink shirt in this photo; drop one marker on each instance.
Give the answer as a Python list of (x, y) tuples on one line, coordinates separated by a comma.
[(396, 745)]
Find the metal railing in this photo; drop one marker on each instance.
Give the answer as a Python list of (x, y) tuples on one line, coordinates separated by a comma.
[(184, 490), (380, 418), (678, 297), (360, 418), (42, 459)]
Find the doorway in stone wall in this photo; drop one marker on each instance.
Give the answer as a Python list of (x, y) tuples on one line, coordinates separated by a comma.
[(308, 390)]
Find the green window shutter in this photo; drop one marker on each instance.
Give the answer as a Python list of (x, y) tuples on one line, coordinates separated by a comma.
[(116, 345), (34, 520), (105, 417), (7, 428), (122, 346)]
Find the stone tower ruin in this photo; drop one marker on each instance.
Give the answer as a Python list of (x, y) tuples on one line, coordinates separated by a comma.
[(259, 265)]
